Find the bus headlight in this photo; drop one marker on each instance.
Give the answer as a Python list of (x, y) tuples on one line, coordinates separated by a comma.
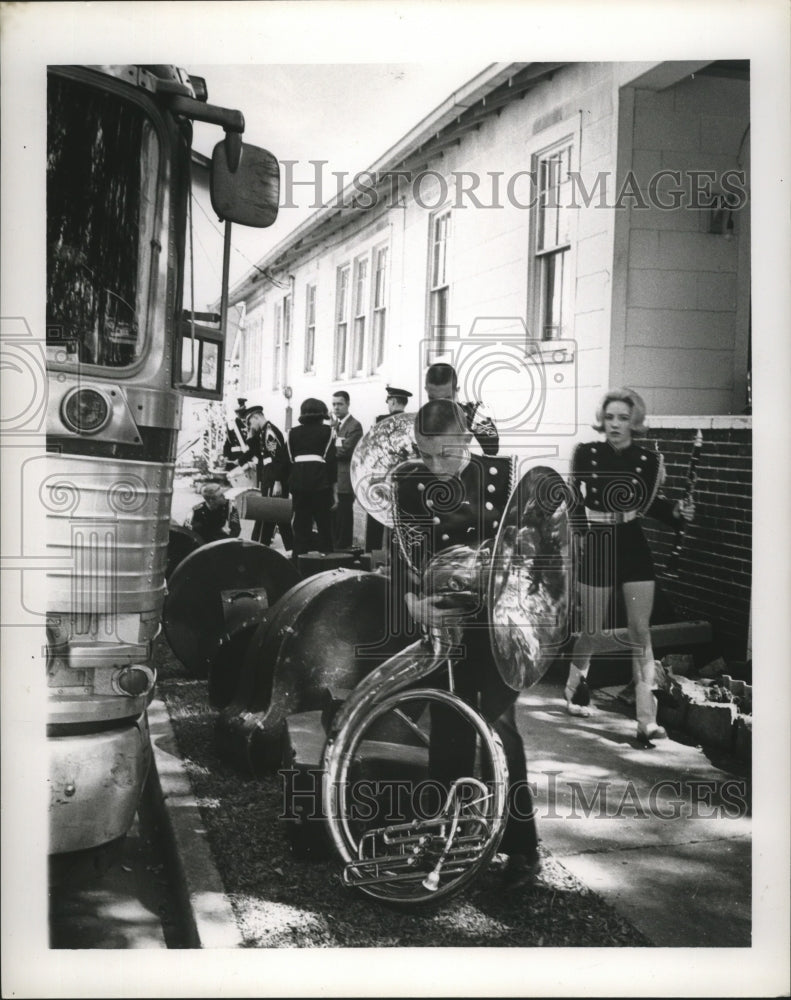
[(133, 681), (85, 411)]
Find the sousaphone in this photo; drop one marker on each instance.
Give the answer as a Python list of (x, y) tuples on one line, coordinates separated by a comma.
[(519, 580)]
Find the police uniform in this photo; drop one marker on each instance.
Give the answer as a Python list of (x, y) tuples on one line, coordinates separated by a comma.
[(311, 449), (214, 523), (614, 489), (433, 513)]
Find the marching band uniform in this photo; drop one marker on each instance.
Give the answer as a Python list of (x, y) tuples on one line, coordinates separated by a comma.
[(213, 523), (311, 449), (613, 491), (482, 426), (267, 448), (433, 513), (235, 447)]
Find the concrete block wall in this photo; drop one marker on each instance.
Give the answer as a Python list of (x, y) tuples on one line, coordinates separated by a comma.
[(715, 566)]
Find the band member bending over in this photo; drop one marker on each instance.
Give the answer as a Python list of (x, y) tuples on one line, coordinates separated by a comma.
[(616, 483), (267, 454), (216, 517), (453, 498), (311, 449)]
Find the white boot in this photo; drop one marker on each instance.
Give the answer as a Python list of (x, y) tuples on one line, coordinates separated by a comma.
[(575, 679), (645, 709)]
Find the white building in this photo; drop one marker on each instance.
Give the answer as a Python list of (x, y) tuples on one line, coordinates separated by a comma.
[(553, 230)]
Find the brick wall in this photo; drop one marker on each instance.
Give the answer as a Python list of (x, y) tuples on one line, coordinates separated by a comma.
[(714, 570)]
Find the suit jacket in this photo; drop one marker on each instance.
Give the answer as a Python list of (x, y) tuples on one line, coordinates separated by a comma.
[(350, 430)]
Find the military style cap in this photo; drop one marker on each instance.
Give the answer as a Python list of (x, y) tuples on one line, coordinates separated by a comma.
[(392, 391), (250, 410), (241, 403)]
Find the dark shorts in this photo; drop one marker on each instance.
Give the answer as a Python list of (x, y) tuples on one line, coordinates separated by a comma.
[(615, 554)]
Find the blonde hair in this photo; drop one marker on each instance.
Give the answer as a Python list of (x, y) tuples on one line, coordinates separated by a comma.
[(635, 402)]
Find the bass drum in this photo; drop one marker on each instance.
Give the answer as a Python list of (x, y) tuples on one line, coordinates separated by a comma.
[(182, 541), (216, 587), (324, 635)]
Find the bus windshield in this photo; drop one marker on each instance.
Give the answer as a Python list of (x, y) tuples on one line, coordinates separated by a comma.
[(102, 168)]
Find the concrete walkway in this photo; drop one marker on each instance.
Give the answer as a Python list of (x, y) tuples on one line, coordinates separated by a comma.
[(661, 834)]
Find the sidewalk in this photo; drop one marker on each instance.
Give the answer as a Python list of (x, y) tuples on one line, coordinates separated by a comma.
[(661, 834)]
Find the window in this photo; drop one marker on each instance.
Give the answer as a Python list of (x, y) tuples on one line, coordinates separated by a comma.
[(439, 278), (310, 328), (360, 314), (102, 172), (380, 309), (341, 321), (551, 278), (278, 349), (286, 337), (280, 356), (252, 360)]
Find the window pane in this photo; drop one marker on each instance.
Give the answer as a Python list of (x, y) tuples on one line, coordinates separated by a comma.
[(102, 163)]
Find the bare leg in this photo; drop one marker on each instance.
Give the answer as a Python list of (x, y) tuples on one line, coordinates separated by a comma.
[(593, 605), (639, 599)]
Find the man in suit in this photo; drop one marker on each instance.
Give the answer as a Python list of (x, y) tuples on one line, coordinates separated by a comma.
[(396, 401), (348, 432)]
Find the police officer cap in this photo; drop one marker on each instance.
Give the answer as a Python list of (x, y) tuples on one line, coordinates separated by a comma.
[(250, 410), (313, 409), (392, 391)]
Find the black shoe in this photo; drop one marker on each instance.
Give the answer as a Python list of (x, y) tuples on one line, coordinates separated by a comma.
[(521, 871)]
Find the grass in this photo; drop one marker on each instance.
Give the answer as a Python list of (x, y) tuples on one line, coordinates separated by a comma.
[(283, 900)]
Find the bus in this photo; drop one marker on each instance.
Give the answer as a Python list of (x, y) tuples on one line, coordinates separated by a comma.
[(124, 346)]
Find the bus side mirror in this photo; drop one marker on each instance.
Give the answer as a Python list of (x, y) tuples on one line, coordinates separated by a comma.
[(250, 194)]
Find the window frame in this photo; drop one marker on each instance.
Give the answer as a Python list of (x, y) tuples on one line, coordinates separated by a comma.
[(309, 352), (439, 291), (360, 308), (341, 319), (379, 311), (545, 254)]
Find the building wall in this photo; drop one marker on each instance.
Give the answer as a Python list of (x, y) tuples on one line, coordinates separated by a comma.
[(687, 295), (489, 262)]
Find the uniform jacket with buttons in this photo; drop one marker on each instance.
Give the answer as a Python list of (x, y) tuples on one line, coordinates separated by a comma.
[(268, 447), (214, 523), (606, 479), (434, 512)]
